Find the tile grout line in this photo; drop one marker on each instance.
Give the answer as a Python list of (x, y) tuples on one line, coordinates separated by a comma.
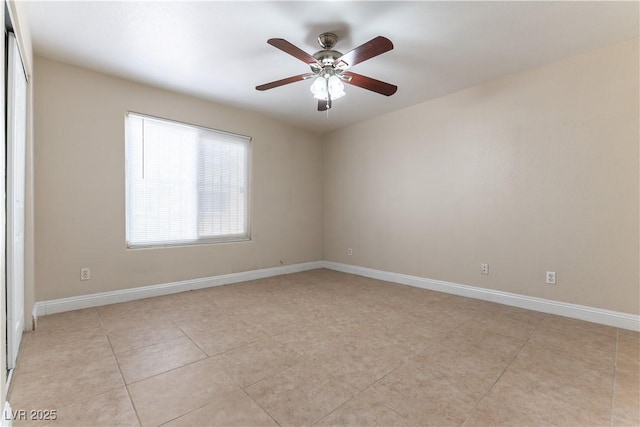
[(250, 397), (216, 354), (190, 339), (167, 371), (615, 372), (189, 412), (243, 388), (257, 404), (320, 418), (72, 402), (221, 370), (134, 348), (525, 342), (286, 369), (373, 384), (559, 349), (78, 400), (126, 387), (494, 383), (359, 392)]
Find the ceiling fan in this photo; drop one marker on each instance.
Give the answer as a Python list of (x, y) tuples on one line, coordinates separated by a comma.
[(329, 68)]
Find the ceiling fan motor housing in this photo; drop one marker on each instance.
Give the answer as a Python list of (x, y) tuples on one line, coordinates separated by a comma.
[(327, 56)]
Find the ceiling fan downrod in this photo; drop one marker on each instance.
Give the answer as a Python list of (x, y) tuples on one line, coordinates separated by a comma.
[(327, 40)]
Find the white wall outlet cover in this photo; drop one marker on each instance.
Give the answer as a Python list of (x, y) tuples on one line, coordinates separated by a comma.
[(484, 268), (551, 277)]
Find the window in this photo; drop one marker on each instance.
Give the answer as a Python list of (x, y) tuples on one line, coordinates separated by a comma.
[(185, 184)]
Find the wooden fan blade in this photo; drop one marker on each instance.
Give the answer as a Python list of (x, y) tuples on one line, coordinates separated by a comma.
[(283, 82), (370, 84), (373, 47), (292, 50)]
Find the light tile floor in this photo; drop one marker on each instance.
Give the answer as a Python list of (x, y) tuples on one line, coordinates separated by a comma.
[(325, 348)]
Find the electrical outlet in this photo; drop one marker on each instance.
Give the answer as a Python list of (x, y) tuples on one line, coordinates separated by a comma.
[(349, 251), (551, 277), (484, 269), (85, 273)]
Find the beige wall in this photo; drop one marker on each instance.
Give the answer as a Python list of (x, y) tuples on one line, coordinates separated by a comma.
[(79, 187), (537, 171)]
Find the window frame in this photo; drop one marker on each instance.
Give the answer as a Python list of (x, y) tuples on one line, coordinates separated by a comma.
[(231, 238)]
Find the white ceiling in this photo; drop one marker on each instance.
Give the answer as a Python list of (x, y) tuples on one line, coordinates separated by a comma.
[(218, 50)]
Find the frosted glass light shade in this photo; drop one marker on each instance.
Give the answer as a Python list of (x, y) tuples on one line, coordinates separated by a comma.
[(322, 88), (336, 87), (319, 88)]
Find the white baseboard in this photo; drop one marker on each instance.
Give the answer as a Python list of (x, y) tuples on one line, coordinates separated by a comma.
[(575, 311), (581, 312), (42, 308), (7, 415)]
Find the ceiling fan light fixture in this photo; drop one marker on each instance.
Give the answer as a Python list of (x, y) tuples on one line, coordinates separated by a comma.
[(336, 87), (322, 88)]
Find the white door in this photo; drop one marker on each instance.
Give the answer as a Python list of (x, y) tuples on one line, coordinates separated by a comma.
[(16, 143)]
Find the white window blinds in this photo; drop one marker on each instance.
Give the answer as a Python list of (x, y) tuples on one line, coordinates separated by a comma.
[(185, 184)]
